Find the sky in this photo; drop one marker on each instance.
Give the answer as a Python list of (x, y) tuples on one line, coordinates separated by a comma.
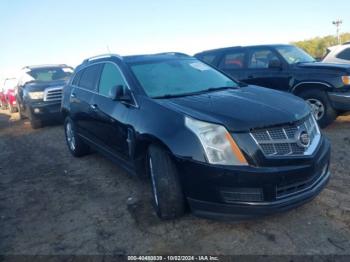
[(68, 31)]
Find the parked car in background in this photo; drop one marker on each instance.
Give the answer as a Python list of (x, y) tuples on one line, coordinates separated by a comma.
[(338, 54), (326, 87), (3, 102), (227, 149), (39, 92), (8, 95)]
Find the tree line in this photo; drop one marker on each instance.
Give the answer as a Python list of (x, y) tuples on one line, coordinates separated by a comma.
[(317, 47)]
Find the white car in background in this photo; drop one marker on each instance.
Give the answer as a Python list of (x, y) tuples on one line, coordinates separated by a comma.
[(338, 54)]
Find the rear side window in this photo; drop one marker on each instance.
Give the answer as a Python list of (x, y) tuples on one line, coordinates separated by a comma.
[(209, 59), (111, 76), (345, 54), (90, 76), (233, 60), (262, 58), (76, 79)]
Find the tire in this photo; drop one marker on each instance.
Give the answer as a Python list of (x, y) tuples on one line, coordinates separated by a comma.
[(35, 123), (168, 198), (76, 145), (321, 106), (20, 113)]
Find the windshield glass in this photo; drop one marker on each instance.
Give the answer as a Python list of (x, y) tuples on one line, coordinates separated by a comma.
[(49, 74), (179, 77), (294, 55)]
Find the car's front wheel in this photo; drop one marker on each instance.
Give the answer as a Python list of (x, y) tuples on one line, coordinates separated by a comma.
[(75, 144), (320, 106), (168, 197)]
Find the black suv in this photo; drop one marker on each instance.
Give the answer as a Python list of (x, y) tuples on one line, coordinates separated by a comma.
[(326, 87), (39, 92), (227, 149)]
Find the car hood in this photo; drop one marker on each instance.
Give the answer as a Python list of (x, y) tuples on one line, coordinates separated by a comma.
[(241, 109), (326, 66), (41, 86)]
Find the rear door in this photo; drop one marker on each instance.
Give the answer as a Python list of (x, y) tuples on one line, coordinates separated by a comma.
[(260, 73), (233, 62), (83, 90), (110, 117)]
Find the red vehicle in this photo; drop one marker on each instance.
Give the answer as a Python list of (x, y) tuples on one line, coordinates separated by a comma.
[(8, 95)]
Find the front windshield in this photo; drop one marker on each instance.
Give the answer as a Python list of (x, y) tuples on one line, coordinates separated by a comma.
[(179, 77), (49, 74), (294, 55)]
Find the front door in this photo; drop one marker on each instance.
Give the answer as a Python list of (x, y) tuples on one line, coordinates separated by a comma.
[(110, 117), (260, 70)]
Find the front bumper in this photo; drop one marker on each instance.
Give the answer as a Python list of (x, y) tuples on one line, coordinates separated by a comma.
[(236, 193), (340, 100), (46, 110)]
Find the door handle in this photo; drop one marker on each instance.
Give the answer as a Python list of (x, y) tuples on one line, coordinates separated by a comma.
[(72, 95), (94, 107), (250, 76)]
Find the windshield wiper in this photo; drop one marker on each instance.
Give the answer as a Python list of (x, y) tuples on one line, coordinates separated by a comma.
[(210, 89)]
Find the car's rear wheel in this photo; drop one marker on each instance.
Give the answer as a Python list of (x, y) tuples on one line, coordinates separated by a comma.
[(168, 198), (75, 144), (321, 107)]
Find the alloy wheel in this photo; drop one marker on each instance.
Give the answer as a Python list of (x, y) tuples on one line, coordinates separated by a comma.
[(155, 193), (317, 108), (70, 136)]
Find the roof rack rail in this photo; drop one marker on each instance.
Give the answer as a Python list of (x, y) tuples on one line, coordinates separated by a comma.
[(173, 53), (346, 43), (100, 56)]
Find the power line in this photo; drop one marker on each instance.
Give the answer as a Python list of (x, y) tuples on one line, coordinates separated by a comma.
[(337, 23)]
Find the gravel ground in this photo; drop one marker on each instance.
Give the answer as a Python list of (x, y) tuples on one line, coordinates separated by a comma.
[(52, 203)]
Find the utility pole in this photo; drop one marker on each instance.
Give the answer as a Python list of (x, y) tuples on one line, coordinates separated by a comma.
[(337, 23)]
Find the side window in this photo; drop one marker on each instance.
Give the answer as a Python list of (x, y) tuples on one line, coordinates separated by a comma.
[(233, 60), (111, 76), (76, 79), (89, 77), (208, 58), (261, 58), (345, 54)]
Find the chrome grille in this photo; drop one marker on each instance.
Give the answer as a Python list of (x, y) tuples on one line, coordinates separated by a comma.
[(53, 94), (284, 140)]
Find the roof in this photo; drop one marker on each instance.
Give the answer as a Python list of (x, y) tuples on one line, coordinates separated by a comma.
[(237, 47)]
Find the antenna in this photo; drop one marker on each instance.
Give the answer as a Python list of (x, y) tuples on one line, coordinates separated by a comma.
[(108, 50)]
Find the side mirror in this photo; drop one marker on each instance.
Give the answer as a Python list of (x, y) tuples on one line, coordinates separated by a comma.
[(119, 93), (275, 64)]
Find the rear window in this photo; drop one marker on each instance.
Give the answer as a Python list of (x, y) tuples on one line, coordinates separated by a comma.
[(345, 54)]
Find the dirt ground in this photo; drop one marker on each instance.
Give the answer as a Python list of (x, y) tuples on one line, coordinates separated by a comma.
[(52, 203)]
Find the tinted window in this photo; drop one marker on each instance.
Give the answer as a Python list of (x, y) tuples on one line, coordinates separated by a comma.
[(179, 77), (111, 76), (208, 58), (233, 60), (76, 78), (261, 58), (50, 73), (345, 54), (89, 77)]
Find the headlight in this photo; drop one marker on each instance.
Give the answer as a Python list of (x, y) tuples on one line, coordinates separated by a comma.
[(36, 95), (346, 80), (218, 144)]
